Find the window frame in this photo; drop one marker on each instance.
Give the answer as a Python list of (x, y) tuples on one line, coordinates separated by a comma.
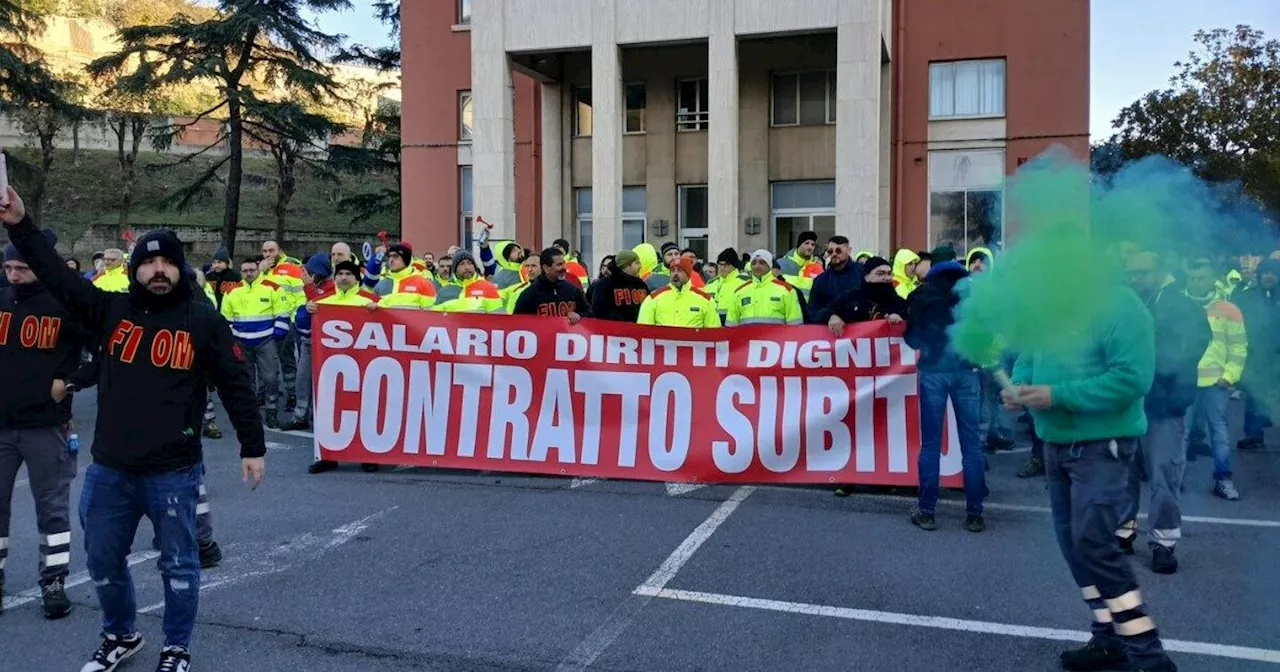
[(829, 94), (644, 111), (576, 121), (579, 218), (1004, 89), (808, 212), (466, 218), (466, 134), (698, 120), (964, 191), (464, 12)]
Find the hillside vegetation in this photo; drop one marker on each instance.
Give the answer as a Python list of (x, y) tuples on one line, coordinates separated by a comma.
[(89, 195)]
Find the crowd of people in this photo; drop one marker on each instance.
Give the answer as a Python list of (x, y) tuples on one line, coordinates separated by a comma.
[(244, 330)]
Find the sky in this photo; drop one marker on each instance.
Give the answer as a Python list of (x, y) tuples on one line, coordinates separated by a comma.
[(1134, 43)]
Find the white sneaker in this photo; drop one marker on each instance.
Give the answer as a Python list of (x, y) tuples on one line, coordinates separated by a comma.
[(1226, 489), (114, 650)]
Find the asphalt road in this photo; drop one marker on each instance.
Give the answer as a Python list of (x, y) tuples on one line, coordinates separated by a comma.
[(426, 570)]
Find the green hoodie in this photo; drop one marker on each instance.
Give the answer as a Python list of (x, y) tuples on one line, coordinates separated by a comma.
[(1098, 387)]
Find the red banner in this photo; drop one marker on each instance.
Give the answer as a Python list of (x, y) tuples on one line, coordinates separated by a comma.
[(616, 400)]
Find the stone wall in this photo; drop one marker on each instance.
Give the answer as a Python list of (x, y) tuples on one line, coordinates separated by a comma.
[(201, 243)]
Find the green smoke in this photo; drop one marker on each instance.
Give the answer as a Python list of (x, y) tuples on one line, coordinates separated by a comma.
[(1069, 229)]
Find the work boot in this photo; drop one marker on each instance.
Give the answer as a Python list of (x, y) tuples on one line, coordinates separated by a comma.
[(1095, 656), (273, 421), (1031, 468), (210, 555), (996, 445), (321, 466), (1126, 543), (1249, 443), (974, 523), (211, 430), (295, 424), (923, 520), (1226, 489), (290, 404), (56, 603), (1163, 561)]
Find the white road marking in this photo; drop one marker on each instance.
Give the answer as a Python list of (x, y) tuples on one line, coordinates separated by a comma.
[(277, 447), (595, 644), (252, 562), (297, 432), (79, 578), (943, 623), (1207, 520), (579, 482), (677, 489)]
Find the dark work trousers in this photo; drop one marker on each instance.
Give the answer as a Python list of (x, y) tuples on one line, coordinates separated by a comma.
[(287, 348), (1088, 491), (1160, 463), (50, 470)]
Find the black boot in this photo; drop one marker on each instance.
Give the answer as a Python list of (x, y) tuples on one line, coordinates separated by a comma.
[(290, 404), (273, 420), (211, 430), (1126, 543), (56, 603), (1163, 561), (210, 555), (1095, 656), (295, 424), (321, 466)]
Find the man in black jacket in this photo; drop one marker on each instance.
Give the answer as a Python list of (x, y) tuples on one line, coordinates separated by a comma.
[(552, 295), (620, 292), (1182, 336), (158, 346), (944, 375), (40, 347)]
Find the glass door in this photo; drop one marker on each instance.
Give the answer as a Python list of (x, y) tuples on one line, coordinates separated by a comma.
[(696, 240)]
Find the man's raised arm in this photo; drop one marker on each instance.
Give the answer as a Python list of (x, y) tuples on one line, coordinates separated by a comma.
[(76, 293)]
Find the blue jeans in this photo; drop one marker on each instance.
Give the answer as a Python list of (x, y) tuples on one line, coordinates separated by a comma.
[(1209, 412), (111, 506), (964, 388)]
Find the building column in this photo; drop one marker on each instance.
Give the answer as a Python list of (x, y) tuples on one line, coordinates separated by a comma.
[(552, 176), (858, 123), (493, 146), (722, 137), (606, 134)]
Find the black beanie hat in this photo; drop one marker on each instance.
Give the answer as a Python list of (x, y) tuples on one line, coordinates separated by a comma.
[(11, 251), (668, 246), (806, 236), (403, 251), (729, 256), (873, 263), (349, 266), (158, 243)]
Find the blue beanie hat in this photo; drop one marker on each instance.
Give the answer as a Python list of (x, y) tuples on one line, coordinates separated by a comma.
[(11, 250), (319, 266)]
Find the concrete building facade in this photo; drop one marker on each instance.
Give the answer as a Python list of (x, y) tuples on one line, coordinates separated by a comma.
[(717, 123)]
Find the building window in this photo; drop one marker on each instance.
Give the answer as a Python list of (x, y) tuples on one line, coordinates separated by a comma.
[(464, 200), (693, 223), (966, 198), (635, 103), (465, 116), (804, 98), (634, 219), (692, 109), (802, 206), (464, 12), (581, 111), (966, 89)]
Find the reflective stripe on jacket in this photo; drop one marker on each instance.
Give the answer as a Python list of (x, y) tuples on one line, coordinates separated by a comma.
[(257, 311), (764, 300), (476, 295), (684, 306)]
